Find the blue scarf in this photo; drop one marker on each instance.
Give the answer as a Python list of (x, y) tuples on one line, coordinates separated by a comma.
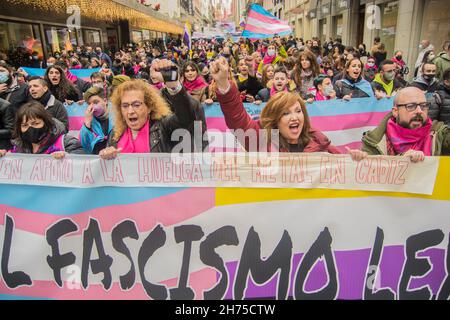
[(362, 85)]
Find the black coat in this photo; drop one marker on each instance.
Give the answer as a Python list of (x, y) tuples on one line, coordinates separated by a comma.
[(440, 104), (56, 108), (186, 99), (71, 144), (6, 125), (161, 130)]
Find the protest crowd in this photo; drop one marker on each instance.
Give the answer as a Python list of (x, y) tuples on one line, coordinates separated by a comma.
[(155, 88)]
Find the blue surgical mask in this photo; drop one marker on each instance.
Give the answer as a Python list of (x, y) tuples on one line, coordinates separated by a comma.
[(4, 76)]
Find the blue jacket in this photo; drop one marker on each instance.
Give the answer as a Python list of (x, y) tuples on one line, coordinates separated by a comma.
[(93, 140)]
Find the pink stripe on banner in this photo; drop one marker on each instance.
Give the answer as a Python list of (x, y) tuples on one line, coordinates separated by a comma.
[(167, 210), (217, 124), (347, 121), (353, 145), (75, 123), (256, 29), (200, 281), (265, 19)]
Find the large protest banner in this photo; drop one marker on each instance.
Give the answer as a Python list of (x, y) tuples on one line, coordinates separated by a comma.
[(129, 242)]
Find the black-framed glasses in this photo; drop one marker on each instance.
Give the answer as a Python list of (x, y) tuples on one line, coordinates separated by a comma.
[(134, 105), (424, 106)]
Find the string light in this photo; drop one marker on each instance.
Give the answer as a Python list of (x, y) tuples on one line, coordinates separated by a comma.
[(104, 10)]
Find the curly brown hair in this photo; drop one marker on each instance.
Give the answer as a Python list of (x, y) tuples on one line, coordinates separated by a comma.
[(297, 72), (157, 106)]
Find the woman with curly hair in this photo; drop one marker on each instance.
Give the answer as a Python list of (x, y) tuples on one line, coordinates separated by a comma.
[(143, 119)]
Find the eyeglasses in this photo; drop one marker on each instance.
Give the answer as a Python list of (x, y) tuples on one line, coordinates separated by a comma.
[(134, 105), (424, 106)]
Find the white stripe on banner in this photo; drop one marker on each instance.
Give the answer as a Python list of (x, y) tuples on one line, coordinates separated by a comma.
[(343, 137), (274, 27)]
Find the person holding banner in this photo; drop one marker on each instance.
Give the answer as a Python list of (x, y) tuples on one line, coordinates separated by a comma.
[(247, 82), (285, 111), (97, 123), (36, 132), (353, 85), (323, 89), (144, 122), (408, 131)]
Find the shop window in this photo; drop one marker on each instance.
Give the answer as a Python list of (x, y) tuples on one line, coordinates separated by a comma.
[(137, 36), (19, 41), (436, 23), (92, 38), (59, 39), (389, 14)]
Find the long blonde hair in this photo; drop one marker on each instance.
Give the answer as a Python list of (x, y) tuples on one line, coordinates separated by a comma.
[(274, 109), (157, 106)]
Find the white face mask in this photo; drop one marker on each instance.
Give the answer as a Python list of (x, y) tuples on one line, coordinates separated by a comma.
[(270, 53), (371, 64), (327, 90), (431, 57)]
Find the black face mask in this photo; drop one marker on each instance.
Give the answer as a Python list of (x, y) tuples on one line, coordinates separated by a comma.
[(399, 58), (34, 135), (428, 77)]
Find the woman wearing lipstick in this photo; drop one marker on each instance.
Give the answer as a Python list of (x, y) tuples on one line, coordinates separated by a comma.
[(353, 84), (143, 119), (285, 112), (194, 82)]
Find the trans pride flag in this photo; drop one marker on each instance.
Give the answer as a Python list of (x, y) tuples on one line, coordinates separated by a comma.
[(84, 74), (261, 24)]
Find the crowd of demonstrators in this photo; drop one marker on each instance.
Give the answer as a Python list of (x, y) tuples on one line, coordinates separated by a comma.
[(157, 87)]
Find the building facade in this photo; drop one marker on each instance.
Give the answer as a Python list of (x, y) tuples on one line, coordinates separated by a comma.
[(25, 27)]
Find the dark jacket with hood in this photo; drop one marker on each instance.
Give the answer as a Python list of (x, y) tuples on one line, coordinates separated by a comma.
[(6, 125), (359, 89), (424, 85), (17, 95), (440, 104), (375, 143), (161, 130), (55, 107), (70, 144)]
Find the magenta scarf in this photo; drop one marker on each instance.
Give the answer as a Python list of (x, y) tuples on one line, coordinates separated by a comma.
[(198, 83), (268, 59), (140, 145), (274, 91), (158, 85), (403, 139)]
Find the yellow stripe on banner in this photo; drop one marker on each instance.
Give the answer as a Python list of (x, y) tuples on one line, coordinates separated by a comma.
[(228, 196)]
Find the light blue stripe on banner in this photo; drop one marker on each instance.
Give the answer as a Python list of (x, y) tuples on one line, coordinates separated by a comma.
[(70, 201), (11, 297), (80, 73), (319, 108), (253, 35)]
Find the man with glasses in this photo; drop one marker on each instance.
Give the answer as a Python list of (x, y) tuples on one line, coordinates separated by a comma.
[(408, 131)]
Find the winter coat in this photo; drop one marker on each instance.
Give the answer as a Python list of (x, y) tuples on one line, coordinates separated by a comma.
[(379, 85), (6, 125), (374, 142), (161, 130), (56, 141), (440, 104), (424, 85), (442, 62), (358, 89), (236, 117)]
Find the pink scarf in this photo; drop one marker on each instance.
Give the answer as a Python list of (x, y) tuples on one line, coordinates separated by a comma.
[(403, 139), (320, 97), (268, 60), (140, 145), (198, 83), (273, 90), (158, 85)]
